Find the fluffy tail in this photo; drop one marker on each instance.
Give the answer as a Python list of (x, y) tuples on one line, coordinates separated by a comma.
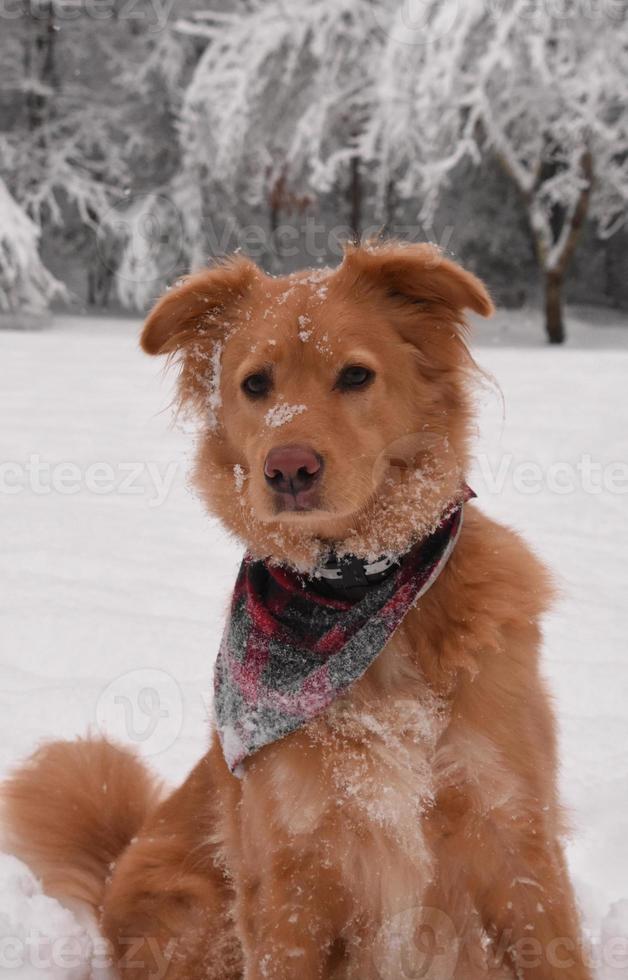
[(72, 809)]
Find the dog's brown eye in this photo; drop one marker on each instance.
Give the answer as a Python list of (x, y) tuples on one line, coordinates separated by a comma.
[(257, 385), (354, 376)]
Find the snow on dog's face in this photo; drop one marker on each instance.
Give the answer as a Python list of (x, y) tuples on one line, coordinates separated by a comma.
[(334, 403)]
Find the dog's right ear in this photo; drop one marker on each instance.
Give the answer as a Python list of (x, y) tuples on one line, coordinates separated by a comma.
[(197, 305)]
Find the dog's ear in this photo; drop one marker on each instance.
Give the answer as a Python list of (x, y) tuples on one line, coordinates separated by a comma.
[(196, 305), (416, 274)]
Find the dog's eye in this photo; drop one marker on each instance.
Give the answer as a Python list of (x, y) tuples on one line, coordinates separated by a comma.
[(354, 376), (257, 385)]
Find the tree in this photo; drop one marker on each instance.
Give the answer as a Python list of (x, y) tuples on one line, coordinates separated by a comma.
[(60, 146), (25, 283), (278, 99), (155, 224), (75, 148), (541, 87)]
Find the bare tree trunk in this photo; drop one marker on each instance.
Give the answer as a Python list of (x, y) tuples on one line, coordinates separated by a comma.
[(555, 275), (40, 60), (355, 198), (274, 200), (554, 325), (390, 208)]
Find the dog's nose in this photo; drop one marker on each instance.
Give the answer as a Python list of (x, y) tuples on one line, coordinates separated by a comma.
[(292, 469)]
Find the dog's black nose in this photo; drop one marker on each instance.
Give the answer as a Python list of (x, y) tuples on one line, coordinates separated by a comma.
[(292, 469)]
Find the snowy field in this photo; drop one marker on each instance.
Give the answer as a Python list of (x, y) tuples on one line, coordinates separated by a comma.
[(113, 582)]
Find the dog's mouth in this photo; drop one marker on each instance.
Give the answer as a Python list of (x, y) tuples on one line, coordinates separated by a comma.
[(297, 502)]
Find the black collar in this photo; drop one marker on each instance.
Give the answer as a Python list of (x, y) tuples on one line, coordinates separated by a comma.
[(351, 575)]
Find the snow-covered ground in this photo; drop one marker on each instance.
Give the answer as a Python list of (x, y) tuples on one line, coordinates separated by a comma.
[(113, 581)]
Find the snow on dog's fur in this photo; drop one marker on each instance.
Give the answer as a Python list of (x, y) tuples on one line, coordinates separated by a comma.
[(423, 804)]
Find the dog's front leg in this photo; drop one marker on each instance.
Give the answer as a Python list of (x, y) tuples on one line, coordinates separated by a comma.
[(516, 876), (532, 914), (289, 920)]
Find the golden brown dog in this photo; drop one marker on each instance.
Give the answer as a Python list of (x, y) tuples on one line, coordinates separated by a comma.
[(412, 829)]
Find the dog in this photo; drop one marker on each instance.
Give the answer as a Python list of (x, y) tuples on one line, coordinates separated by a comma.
[(395, 817)]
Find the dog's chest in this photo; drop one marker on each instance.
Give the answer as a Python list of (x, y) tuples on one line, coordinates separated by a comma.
[(379, 776), (374, 783)]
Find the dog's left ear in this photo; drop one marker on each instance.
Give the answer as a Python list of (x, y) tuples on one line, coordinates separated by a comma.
[(417, 274)]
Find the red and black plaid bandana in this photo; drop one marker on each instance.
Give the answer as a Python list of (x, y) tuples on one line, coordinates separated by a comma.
[(290, 648)]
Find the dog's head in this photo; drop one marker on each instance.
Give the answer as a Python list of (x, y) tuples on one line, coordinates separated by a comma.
[(334, 403)]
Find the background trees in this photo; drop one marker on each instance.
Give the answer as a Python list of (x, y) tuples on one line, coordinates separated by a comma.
[(87, 120), (277, 102), (538, 88), (140, 144)]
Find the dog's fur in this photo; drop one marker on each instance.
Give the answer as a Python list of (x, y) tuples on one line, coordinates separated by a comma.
[(423, 804)]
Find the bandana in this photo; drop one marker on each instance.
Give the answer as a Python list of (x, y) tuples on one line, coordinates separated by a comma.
[(293, 645)]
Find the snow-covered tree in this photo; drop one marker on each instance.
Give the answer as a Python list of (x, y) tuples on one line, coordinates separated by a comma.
[(25, 283), (154, 252), (61, 147), (91, 122), (278, 100), (156, 223), (539, 86)]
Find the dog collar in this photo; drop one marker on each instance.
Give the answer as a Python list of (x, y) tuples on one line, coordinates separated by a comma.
[(350, 572), (350, 576), (292, 645)]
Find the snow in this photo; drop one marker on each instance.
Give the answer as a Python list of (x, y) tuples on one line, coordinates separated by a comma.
[(281, 413), (239, 476), (115, 582), (38, 937), (214, 400)]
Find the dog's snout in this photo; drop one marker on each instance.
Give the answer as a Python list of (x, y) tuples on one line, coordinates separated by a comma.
[(292, 469)]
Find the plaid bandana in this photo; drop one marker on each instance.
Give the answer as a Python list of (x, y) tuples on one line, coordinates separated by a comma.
[(290, 648)]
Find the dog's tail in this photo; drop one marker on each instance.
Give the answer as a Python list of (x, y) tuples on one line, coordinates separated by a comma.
[(72, 809)]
